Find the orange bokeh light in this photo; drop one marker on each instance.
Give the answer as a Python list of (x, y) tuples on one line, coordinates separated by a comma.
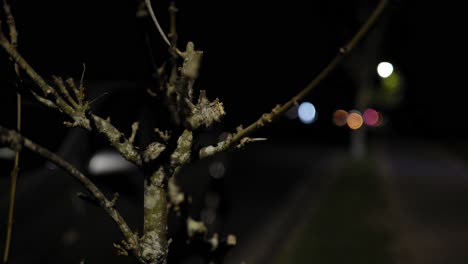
[(354, 120), (339, 117)]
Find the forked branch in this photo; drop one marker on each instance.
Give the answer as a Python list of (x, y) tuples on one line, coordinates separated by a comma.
[(73, 105)]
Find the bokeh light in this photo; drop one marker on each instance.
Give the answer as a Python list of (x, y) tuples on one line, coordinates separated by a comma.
[(385, 69), (6, 153), (217, 169), (307, 113), (381, 120), (354, 120), (339, 117), (107, 162), (371, 117)]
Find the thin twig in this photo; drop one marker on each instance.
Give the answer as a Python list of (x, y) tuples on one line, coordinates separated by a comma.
[(155, 20), (64, 91), (15, 141), (173, 35), (14, 179), (11, 23), (173, 24), (279, 110), (81, 116), (83, 74), (13, 33), (11, 50), (79, 93), (135, 127)]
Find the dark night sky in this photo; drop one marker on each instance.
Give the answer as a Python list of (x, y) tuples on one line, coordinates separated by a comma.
[(258, 55)]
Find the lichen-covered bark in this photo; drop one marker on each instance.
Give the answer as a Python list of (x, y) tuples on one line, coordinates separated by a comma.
[(206, 113), (176, 196), (117, 139), (154, 242), (181, 154), (152, 151)]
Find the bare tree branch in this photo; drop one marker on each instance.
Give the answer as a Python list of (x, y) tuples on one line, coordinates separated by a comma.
[(155, 20), (279, 110), (10, 19), (117, 139), (154, 243), (76, 108), (177, 85), (13, 33), (181, 154), (16, 141)]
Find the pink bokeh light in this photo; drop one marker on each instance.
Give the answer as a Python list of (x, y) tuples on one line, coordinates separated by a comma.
[(371, 117)]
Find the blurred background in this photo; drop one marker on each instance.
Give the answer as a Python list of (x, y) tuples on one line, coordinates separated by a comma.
[(370, 168)]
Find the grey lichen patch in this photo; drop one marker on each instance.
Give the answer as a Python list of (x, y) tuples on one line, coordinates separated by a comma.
[(150, 247), (104, 126), (115, 197), (207, 151), (80, 120), (153, 244), (164, 135), (211, 150), (206, 113), (269, 117), (265, 119), (214, 241), (231, 240), (181, 154), (117, 139), (195, 227), (176, 196), (135, 127), (276, 109), (153, 151), (151, 199), (121, 251), (192, 60), (228, 143), (177, 86)]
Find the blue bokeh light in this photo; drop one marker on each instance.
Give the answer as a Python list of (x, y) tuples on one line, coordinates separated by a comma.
[(307, 113)]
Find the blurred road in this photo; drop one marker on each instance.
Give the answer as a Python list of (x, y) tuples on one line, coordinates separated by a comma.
[(427, 189), (271, 194), (430, 185)]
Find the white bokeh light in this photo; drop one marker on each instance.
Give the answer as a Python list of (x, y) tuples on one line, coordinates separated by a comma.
[(385, 69), (6, 153), (307, 113), (107, 162)]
